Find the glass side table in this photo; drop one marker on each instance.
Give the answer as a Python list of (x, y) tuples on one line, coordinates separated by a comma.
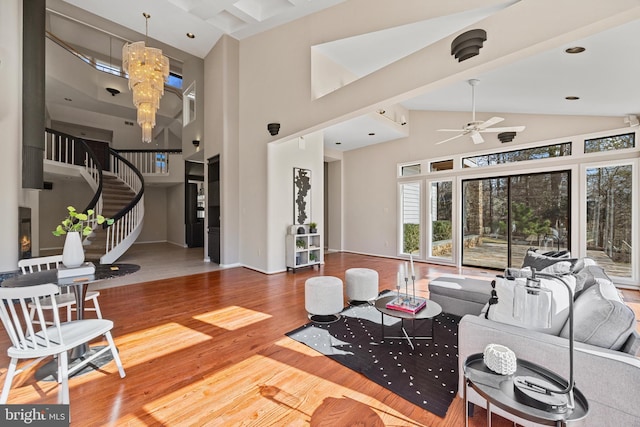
[(498, 390)]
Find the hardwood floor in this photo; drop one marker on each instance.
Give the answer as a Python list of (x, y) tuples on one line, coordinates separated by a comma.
[(209, 349)]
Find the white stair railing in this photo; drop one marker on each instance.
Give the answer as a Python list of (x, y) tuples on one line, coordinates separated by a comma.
[(66, 149), (128, 223)]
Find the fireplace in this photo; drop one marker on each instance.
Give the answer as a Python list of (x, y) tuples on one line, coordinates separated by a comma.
[(24, 236)]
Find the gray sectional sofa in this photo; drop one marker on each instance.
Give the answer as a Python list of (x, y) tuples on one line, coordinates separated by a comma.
[(606, 366)]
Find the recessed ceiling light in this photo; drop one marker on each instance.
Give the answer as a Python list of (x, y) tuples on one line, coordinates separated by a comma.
[(571, 98), (191, 35), (575, 49), (372, 133)]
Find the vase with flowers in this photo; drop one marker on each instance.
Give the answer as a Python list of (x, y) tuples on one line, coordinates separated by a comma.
[(74, 226)]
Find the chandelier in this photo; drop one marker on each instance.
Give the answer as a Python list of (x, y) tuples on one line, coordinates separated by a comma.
[(148, 69)]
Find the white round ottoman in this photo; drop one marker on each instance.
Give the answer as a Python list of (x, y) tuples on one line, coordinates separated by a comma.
[(362, 285), (323, 298)]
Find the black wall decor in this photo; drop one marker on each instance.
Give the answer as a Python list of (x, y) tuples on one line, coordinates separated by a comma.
[(301, 196)]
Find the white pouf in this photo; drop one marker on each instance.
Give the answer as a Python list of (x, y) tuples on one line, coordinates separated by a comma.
[(362, 284), (323, 298)]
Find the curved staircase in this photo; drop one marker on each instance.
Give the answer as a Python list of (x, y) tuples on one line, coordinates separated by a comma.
[(118, 193)]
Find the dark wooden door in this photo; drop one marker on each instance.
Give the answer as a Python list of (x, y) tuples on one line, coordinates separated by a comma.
[(214, 204)]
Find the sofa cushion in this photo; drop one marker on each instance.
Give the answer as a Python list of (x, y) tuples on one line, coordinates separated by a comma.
[(540, 261), (601, 318), (632, 345), (502, 311)]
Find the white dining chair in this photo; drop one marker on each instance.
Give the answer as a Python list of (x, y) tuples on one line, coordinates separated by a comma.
[(35, 339), (66, 297)]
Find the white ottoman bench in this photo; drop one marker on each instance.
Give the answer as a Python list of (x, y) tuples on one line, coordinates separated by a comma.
[(362, 285), (323, 298)]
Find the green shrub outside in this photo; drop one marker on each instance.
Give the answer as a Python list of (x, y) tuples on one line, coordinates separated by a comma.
[(411, 238), (441, 230)]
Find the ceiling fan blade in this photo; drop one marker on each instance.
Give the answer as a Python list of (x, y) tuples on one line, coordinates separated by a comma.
[(450, 130), (477, 138), (505, 129), (492, 121), (449, 139)]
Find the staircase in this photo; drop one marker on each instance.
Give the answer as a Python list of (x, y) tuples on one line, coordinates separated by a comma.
[(119, 193), (116, 195)]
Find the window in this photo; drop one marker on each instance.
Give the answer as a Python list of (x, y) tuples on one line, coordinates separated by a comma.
[(410, 203), (189, 105), (537, 153), (618, 142), (108, 68), (174, 80), (161, 163), (610, 217), (440, 214), (410, 170), (442, 165)]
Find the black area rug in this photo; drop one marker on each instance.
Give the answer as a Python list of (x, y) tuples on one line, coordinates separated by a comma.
[(426, 376)]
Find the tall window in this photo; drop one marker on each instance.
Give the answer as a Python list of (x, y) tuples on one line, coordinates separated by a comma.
[(609, 218), (410, 193), (440, 214)]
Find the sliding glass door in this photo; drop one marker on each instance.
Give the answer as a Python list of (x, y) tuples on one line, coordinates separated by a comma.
[(502, 217)]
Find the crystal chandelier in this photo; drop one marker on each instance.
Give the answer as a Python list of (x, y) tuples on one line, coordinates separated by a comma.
[(148, 69)]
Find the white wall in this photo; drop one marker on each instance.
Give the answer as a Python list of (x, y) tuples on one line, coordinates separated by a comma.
[(175, 215), (221, 128), (155, 215), (53, 208), (334, 228), (193, 71), (305, 153), (10, 129)]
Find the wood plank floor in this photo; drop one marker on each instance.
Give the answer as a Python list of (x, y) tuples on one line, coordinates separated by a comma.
[(209, 350)]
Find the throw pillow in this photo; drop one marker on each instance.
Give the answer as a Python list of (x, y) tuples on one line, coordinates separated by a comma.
[(539, 261), (589, 276), (502, 311), (582, 263), (600, 318)]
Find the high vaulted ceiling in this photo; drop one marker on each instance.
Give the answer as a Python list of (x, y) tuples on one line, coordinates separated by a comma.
[(207, 20), (604, 76)]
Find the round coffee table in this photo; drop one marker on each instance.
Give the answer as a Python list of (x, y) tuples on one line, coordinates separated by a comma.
[(431, 310)]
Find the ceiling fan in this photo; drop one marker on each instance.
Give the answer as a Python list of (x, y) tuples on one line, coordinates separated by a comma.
[(475, 127)]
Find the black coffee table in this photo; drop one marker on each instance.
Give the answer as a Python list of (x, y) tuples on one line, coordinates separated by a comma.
[(498, 390), (431, 310)]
